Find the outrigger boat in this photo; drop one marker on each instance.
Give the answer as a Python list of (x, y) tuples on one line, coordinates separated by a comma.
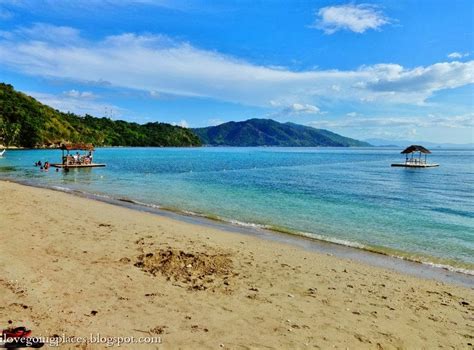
[(413, 161), (77, 160), (2, 152)]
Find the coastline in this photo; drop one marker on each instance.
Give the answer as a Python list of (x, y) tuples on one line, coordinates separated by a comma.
[(65, 256), (404, 262)]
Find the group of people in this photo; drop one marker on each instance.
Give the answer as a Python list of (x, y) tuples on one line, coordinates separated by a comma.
[(42, 166), (78, 159), (67, 160)]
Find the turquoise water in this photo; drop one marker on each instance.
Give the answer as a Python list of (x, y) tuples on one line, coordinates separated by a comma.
[(349, 196)]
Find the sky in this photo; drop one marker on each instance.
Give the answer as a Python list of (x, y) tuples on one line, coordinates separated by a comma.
[(389, 69)]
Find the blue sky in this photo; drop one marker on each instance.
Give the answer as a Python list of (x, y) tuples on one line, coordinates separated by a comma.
[(371, 69)]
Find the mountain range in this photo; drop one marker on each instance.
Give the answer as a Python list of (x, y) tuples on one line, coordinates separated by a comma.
[(406, 143), (26, 122), (268, 132)]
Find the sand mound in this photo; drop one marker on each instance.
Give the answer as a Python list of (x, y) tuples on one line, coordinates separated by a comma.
[(198, 271)]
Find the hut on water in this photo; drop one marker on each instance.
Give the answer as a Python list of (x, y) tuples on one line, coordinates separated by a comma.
[(416, 157), (77, 160)]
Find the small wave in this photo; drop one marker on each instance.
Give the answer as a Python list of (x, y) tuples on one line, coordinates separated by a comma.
[(247, 224), (450, 268), (62, 189), (132, 201), (333, 240), (96, 195), (192, 213), (126, 200), (453, 267)]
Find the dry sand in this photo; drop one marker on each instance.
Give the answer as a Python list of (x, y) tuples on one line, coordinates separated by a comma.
[(75, 266)]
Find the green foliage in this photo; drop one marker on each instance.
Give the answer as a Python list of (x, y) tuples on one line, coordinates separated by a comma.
[(9, 132), (267, 132), (25, 122)]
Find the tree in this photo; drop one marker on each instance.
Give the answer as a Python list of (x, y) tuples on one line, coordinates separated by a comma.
[(9, 132)]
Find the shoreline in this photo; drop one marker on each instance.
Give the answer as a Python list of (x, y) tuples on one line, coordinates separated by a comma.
[(74, 266), (365, 254)]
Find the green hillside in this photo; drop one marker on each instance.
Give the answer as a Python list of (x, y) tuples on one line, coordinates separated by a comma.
[(267, 132), (25, 122)]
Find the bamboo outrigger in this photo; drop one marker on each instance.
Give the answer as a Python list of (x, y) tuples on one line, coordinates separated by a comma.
[(413, 161), (77, 160)]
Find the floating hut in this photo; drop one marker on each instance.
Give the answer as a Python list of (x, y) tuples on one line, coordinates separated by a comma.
[(416, 157), (77, 160)]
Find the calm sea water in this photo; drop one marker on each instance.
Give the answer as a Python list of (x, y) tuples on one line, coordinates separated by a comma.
[(349, 196)]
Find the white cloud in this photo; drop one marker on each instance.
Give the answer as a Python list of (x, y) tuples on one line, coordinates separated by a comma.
[(458, 121), (455, 55), (394, 78), (75, 102), (455, 128), (79, 94), (214, 121), (41, 32), (158, 64), (298, 108), (155, 94), (293, 110), (356, 18), (182, 123)]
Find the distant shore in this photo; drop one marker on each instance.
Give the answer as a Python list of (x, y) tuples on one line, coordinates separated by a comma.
[(75, 266)]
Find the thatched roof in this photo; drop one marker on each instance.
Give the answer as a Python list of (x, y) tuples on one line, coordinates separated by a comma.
[(415, 148), (78, 146)]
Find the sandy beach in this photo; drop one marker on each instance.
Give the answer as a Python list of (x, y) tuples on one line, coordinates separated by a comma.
[(74, 266)]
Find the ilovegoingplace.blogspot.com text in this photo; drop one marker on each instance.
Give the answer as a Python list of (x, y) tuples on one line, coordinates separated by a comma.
[(108, 341)]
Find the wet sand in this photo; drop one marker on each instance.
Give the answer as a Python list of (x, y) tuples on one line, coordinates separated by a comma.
[(75, 266)]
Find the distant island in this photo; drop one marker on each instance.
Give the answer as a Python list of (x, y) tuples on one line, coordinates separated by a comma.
[(26, 122), (405, 143), (267, 132)]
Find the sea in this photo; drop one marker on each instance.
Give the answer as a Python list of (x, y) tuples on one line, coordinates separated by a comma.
[(348, 196)]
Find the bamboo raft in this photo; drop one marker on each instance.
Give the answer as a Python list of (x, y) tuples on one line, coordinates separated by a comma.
[(411, 161), (78, 161)]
